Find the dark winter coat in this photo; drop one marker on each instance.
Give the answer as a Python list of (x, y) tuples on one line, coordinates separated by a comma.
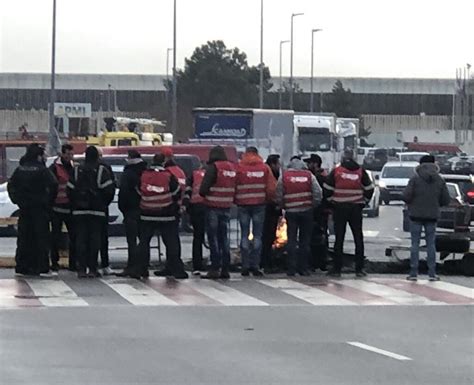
[(129, 198)]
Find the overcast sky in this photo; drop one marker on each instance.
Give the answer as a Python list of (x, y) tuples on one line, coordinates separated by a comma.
[(371, 38)]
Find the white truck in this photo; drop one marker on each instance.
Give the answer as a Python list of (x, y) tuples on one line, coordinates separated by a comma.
[(347, 130), (316, 134)]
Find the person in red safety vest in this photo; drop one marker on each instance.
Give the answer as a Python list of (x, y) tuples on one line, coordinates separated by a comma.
[(298, 192), (159, 211), (62, 168), (255, 186), (195, 207), (349, 188), (218, 191)]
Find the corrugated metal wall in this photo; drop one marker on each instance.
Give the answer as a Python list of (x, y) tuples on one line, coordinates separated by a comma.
[(394, 123)]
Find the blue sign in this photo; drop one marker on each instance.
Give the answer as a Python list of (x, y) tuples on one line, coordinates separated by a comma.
[(222, 126)]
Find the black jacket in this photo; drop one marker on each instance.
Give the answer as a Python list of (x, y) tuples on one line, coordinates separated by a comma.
[(32, 185), (351, 165), (210, 178), (129, 198), (98, 182)]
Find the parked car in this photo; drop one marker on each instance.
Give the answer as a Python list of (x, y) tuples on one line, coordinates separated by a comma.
[(394, 178), (466, 186), (462, 165), (375, 159), (411, 156), (372, 209)]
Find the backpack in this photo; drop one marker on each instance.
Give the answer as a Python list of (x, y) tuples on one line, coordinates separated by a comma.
[(86, 189)]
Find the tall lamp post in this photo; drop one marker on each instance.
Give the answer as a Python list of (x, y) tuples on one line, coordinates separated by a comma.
[(174, 103), (311, 107), (53, 139), (261, 56), (168, 51), (280, 89), (291, 57)]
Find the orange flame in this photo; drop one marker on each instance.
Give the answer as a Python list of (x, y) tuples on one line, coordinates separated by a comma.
[(281, 234)]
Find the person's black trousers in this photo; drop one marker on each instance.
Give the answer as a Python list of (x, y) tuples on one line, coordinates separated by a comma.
[(197, 214), (57, 220), (348, 214), (131, 220), (32, 255), (319, 240), (169, 232), (88, 241), (104, 242), (270, 224)]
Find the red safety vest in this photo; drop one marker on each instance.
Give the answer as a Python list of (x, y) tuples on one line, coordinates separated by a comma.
[(179, 175), (348, 186), (155, 190), (297, 189), (251, 184), (221, 195), (198, 176), (63, 177)]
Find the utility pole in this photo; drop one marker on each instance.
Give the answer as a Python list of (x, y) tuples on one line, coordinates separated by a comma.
[(53, 137), (280, 89), (311, 107), (261, 56), (174, 103), (291, 58)]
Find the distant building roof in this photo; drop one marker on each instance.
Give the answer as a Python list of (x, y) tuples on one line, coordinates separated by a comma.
[(156, 83)]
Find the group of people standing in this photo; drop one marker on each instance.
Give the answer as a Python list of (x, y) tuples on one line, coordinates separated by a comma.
[(153, 197)]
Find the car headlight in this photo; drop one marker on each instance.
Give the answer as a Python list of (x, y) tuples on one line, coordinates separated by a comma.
[(382, 184)]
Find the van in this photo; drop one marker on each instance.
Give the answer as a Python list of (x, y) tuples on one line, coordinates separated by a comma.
[(394, 178)]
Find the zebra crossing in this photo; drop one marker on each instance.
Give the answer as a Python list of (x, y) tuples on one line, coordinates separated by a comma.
[(67, 291)]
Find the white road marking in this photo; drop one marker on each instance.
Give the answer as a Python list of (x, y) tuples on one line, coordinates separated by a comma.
[(309, 294), (371, 233), (137, 293), (449, 287), (55, 293), (223, 294), (379, 351), (399, 296)]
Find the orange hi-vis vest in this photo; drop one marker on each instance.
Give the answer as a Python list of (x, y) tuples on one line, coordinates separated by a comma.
[(155, 190), (198, 176), (63, 177), (297, 189), (221, 195), (251, 184), (348, 186)]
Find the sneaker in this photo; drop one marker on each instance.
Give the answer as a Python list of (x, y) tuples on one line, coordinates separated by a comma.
[(181, 275), (412, 278), (196, 272), (224, 274), (163, 273), (334, 274), (361, 274), (124, 273), (54, 273), (245, 272), (94, 274), (107, 271), (211, 274), (47, 274), (434, 278), (257, 273), (145, 274), (81, 274), (20, 274)]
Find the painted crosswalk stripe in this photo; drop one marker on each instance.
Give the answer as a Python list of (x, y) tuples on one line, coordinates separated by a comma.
[(16, 293), (137, 293), (467, 292), (399, 296), (426, 289), (379, 351), (309, 294), (355, 295), (224, 294), (52, 292)]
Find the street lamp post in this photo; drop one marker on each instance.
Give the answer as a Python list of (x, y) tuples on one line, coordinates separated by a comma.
[(312, 68), (168, 51), (53, 140), (280, 89), (261, 56), (291, 57), (174, 104)]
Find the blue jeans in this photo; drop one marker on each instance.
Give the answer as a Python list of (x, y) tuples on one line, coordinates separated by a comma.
[(300, 227), (256, 215), (430, 236), (219, 244)]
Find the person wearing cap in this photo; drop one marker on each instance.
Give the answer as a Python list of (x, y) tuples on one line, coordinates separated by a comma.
[(129, 204), (272, 216), (319, 239), (33, 188), (425, 194), (254, 187), (348, 188), (298, 192)]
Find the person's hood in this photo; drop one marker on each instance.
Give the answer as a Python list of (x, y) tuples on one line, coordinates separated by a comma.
[(428, 172), (251, 159), (170, 163), (136, 164), (297, 164), (217, 154), (350, 164)]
